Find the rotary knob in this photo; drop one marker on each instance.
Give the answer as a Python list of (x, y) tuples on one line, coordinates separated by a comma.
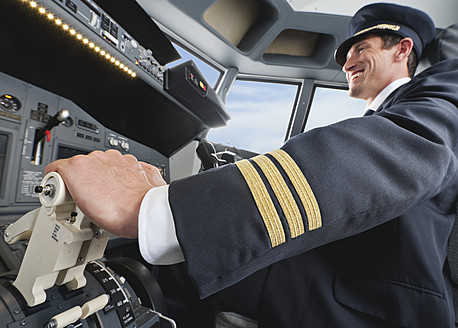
[(125, 145)]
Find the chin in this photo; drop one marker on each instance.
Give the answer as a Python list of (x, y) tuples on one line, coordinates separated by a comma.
[(354, 92)]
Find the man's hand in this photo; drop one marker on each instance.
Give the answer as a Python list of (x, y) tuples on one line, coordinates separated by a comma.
[(108, 187)]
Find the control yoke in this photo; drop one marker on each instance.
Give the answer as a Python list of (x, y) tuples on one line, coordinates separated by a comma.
[(62, 241)]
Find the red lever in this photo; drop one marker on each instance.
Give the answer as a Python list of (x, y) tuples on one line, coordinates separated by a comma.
[(48, 135)]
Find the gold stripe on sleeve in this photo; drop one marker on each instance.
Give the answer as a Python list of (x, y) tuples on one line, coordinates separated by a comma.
[(263, 201), (302, 188), (284, 196)]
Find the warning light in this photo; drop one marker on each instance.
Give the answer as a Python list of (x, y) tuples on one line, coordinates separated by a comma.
[(8, 96), (202, 85)]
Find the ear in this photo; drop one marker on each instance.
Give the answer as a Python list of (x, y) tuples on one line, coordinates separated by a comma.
[(404, 48)]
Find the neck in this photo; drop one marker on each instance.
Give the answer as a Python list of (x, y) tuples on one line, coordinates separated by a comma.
[(395, 74), (385, 92)]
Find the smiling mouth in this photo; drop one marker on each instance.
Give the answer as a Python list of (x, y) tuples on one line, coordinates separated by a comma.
[(355, 75)]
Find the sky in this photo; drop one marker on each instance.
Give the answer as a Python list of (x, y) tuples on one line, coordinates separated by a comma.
[(333, 105), (260, 115)]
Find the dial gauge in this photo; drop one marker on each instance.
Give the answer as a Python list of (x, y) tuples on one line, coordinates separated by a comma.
[(9, 103)]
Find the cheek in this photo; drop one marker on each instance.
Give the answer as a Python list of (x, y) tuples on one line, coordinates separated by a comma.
[(376, 68)]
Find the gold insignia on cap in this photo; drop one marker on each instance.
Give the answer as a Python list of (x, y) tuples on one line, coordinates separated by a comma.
[(302, 187), (283, 194), (380, 27), (264, 202)]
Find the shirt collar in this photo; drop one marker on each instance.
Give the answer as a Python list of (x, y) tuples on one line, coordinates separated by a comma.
[(375, 104)]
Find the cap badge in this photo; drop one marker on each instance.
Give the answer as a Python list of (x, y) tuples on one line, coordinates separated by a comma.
[(379, 27)]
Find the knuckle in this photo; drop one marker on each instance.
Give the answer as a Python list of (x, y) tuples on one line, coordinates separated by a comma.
[(130, 157), (112, 151)]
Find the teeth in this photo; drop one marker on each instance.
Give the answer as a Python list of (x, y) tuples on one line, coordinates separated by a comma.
[(357, 74)]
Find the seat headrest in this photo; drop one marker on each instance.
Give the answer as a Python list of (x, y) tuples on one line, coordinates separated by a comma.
[(444, 46)]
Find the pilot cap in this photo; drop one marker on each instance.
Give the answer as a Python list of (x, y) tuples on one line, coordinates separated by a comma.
[(388, 18)]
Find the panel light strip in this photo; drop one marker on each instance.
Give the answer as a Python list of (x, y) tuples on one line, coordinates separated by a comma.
[(80, 37)]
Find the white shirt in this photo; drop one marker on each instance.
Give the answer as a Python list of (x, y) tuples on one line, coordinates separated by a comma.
[(156, 229)]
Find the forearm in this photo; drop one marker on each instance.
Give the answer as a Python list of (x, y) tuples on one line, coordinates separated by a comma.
[(362, 173)]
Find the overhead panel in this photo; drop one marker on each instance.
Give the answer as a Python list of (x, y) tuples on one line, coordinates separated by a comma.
[(241, 22), (294, 47), (232, 18), (294, 43)]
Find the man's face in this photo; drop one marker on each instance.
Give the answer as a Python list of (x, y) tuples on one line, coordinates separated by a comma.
[(369, 68)]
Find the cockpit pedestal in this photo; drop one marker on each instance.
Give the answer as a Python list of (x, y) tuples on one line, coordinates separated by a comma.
[(63, 283)]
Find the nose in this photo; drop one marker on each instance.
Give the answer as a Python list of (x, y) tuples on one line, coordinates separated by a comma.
[(349, 64)]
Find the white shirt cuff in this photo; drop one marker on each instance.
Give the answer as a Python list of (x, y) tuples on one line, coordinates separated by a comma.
[(156, 229)]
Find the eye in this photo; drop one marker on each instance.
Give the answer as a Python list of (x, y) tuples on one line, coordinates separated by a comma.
[(360, 49)]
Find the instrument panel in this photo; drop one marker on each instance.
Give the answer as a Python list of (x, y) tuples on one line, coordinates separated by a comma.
[(27, 145), (106, 62)]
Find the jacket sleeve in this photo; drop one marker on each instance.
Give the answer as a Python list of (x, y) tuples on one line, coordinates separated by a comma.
[(321, 186)]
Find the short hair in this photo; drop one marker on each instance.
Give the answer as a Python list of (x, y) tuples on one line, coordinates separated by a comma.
[(390, 40)]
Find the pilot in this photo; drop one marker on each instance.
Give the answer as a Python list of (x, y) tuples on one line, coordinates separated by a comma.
[(344, 226)]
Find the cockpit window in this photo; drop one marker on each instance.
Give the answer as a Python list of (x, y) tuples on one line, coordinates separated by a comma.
[(331, 105), (210, 73), (260, 113)]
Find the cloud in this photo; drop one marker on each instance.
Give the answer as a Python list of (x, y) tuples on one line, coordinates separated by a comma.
[(260, 115)]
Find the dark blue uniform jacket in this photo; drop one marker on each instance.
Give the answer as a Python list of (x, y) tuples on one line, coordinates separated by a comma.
[(353, 218)]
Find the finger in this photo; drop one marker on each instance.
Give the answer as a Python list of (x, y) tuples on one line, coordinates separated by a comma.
[(63, 164), (153, 174), (54, 166), (132, 160), (109, 156), (114, 158)]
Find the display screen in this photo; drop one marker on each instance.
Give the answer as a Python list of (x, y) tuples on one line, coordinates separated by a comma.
[(3, 150), (67, 152)]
